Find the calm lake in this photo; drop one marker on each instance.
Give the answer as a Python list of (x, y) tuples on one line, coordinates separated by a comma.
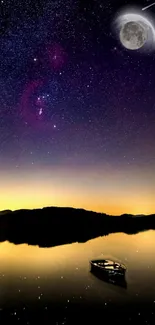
[(36, 279)]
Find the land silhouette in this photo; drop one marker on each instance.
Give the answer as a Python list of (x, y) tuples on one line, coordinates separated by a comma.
[(53, 226)]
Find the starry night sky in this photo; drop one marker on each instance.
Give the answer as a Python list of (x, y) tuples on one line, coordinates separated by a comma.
[(77, 110)]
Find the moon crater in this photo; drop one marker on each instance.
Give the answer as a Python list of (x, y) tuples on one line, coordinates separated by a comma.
[(133, 35)]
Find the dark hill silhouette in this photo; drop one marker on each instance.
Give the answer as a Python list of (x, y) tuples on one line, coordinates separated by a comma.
[(5, 212), (54, 226)]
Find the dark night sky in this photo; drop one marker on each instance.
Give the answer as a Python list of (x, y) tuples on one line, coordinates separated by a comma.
[(75, 107)]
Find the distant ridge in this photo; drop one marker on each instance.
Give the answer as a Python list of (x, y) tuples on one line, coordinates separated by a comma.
[(51, 226), (71, 208), (5, 212)]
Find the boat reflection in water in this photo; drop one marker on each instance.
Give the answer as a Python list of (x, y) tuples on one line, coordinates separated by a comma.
[(109, 271)]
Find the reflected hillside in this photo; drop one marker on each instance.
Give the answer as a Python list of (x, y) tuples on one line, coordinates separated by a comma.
[(54, 226)]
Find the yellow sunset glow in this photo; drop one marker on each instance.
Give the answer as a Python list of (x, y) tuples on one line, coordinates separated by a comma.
[(106, 190)]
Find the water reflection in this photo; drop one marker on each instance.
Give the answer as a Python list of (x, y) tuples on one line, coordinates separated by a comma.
[(121, 282), (30, 275)]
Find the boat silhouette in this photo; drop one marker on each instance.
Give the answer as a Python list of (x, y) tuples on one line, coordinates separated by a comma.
[(109, 271)]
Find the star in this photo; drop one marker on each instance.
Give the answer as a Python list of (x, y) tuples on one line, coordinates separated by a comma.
[(40, 111)]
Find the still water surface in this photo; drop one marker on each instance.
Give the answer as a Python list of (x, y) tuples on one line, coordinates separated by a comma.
[(52, 271), (29, 274)]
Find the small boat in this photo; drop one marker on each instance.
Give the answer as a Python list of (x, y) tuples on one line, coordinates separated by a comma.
[(108, 268)]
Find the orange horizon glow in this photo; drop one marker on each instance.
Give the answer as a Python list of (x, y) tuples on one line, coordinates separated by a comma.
[(104, 190)]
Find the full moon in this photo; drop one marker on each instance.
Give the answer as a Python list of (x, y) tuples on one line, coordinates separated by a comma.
[(133, 35), (135, 31)]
